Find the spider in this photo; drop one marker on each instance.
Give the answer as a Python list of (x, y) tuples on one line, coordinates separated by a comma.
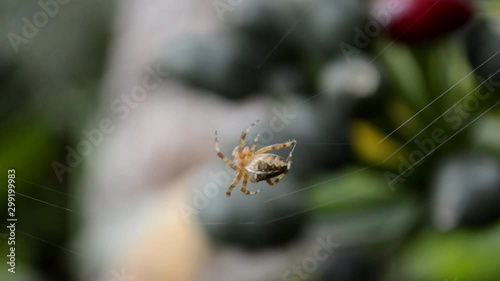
[(256, 165)]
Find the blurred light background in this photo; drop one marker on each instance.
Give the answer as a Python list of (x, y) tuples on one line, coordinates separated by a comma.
[(109, 110)]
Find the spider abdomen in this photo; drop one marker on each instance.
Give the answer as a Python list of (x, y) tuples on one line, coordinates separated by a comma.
[(266, 166)]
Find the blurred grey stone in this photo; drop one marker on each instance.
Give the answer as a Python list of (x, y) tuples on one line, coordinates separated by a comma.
[(466, 191), (271, 218)]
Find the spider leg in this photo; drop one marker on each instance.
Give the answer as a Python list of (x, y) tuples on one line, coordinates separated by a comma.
[(278, 146), (270, 182), (289, 158), (255, 141), (235, 182), (244, 134), (221, 156), (244, 187)]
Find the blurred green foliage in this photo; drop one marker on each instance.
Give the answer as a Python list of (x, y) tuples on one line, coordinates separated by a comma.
[(49, 89)]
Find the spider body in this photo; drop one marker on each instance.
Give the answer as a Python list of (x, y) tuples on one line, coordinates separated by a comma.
[(265, 166), (256, 165)]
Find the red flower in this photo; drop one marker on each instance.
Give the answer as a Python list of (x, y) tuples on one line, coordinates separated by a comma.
[(421, 20)]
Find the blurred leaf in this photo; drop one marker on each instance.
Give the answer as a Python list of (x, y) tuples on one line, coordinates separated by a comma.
[(399, 112), (350, 189), (27, 145), (370, 226), (488, 8), (457, 74), (403, 70), (370, 146), (464, 255), (485, 133)]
